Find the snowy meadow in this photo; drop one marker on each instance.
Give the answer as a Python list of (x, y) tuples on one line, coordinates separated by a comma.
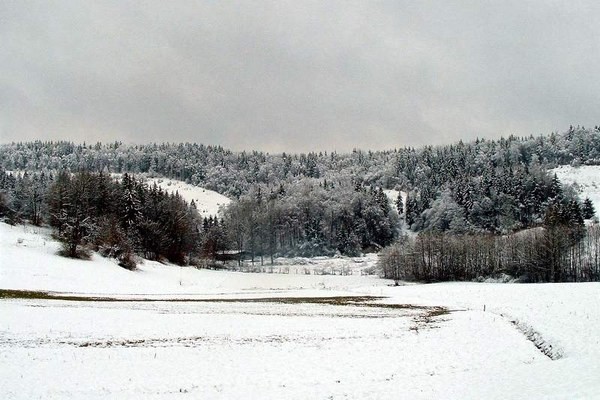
[(90, 329)]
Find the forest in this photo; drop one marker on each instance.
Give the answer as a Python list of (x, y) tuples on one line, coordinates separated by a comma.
[(488, 192), (119, 218)]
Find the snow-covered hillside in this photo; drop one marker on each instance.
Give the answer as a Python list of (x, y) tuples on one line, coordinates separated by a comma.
[(29, 260), (207, 201), (448, 340), (585, 179)]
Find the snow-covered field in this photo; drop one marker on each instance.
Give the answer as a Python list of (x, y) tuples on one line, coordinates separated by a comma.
[(585, 179), (239, 335)]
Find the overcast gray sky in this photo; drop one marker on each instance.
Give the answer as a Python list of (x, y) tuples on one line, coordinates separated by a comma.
[(297, 75)]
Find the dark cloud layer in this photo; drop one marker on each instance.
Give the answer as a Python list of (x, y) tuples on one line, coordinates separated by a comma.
[(296, 76)]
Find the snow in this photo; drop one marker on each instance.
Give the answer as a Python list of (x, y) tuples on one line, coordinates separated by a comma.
[(565, 314), (207, 201), (478, 348), (392, 196), (28, 260), (585, 180), (232, 351)]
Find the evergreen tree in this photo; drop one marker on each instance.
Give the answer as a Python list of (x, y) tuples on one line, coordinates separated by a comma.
[(73, 213), (412, 209), (130, 205), (588, 211), (399, 204)]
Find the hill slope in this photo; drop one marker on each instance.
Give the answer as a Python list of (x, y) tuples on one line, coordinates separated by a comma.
[(584, 179), (207, 201)]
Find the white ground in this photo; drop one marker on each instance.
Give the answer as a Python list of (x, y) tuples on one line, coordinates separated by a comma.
[(257, 350), (585, 179), (207, 201)]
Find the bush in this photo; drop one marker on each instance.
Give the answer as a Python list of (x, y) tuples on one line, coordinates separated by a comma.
[(72, 251), (127, 261)]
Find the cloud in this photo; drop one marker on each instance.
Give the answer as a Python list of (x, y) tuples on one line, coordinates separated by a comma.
[(296, 76)]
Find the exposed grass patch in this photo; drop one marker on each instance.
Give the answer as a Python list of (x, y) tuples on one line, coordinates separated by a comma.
[(40, 295), (358, 301)]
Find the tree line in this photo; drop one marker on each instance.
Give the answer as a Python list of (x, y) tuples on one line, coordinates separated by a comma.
[(92, 211), (562, 249), (495, 186), (235, 173), (311, 218), (320, 203), (122, 217)]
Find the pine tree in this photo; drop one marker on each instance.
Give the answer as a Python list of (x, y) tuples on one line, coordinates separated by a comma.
[(399, 204), (555, 189), (74, 217), (58, 199), (588, 209), (130, 202), (411, 211)]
